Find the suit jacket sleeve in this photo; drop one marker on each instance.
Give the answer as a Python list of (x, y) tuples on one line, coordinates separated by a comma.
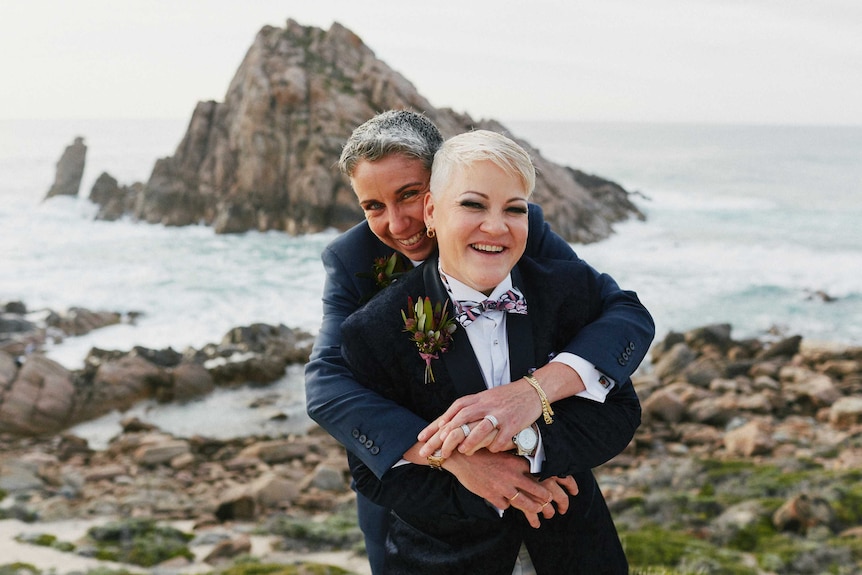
[(378, 431), (618, 340), (585, 433)]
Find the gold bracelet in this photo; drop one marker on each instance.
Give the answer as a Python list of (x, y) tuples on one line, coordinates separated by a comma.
[(547, 412)]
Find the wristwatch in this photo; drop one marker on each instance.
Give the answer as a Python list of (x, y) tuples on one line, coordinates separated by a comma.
[(436, 460), (526, 441)]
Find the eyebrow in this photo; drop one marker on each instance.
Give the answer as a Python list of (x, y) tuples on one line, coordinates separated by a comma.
[(484, 195)]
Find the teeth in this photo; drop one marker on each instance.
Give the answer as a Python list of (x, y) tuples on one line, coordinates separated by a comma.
[(487, 248), (412, 240)]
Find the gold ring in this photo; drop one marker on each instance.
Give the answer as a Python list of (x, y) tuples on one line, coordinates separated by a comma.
[(546, 504), (512, 498)]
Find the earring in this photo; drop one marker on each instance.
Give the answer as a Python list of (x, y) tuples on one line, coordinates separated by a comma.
[(430, 233)]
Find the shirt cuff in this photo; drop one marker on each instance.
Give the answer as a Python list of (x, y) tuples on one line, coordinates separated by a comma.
[(538, 458), (597, 384)]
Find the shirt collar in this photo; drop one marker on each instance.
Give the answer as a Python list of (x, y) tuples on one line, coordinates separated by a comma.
[(459, 291)]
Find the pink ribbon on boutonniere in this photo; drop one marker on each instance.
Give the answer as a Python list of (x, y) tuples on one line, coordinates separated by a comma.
[(431, 329)]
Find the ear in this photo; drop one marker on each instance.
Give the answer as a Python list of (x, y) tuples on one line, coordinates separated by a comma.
[(429, 210)]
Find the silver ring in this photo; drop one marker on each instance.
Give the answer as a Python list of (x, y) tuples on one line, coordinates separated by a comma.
[(466, 429), (493, 420)]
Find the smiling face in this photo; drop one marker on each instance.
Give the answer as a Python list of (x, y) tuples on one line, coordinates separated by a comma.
[(481, 223), (391, 192)]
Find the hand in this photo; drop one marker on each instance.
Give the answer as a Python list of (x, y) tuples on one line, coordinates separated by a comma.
[(558, 502), (504, 480), (561, 488), (515, 405)]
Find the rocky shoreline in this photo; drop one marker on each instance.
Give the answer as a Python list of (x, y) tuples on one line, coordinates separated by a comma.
[(39, 396), (748, 461)]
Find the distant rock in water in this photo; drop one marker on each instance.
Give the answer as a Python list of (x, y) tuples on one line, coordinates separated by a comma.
[(70, 170), (264, 159), (114, 200)]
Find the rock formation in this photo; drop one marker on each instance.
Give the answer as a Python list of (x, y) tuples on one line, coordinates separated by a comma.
[(70, 170), (113, 199), (38, 396), (264, 159)]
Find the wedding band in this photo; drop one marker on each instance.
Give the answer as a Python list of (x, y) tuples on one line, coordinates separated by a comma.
[(493, 420), (546, 504), (466, 429), (512, 498)]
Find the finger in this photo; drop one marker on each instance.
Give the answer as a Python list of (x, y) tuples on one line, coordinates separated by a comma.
[(503, 440), (569, 484), (537, 492), (559, 499), (530, 507), (548, 509), (454, 438), (430, 430), (481, 436), (457, 406)]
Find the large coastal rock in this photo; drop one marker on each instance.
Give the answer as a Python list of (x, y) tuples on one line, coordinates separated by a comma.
[(70, 170), (265, 158)]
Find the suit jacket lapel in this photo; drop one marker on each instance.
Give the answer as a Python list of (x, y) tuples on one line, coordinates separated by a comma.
[(520, 334), (460, 362)]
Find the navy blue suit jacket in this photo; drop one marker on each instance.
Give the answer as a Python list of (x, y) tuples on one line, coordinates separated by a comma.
[(584, 433), (379, 431)]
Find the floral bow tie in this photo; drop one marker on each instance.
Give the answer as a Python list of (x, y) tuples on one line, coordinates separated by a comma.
[(512, 302)]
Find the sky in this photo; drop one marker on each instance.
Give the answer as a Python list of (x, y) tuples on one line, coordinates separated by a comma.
[(704, 61)]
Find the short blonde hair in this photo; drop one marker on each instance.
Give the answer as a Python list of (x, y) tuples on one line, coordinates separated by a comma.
[(469, 148)]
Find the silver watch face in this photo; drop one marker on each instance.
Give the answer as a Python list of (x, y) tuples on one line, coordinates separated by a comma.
[(527, 439)]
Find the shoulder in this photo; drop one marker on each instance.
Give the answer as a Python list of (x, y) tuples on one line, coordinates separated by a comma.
[(379, 320), (535, 215), (542, 273), (357, 239)]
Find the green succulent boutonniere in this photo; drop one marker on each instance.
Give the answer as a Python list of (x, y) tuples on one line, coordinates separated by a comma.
[(431, 329)]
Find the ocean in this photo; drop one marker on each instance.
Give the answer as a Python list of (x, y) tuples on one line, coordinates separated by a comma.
[(755, 226)]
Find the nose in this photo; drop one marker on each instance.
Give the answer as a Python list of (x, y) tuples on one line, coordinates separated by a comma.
[(399, 221), (494, 223)]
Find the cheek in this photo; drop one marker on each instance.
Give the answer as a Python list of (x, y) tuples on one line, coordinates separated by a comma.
[(378, 225), (416, 213)]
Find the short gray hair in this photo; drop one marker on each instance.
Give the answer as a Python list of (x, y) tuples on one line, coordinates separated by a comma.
[(392, 132), (480, 145)]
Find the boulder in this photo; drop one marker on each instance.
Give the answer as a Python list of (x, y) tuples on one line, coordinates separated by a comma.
[(846, 412), (752, 438), (39, 400)]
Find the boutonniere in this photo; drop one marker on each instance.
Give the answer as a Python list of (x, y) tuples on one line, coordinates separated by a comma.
[(384, 271), (431, 329)]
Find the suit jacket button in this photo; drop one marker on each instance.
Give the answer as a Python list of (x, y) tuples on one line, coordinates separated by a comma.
[(620, 361), (375, 450), (369, 444), (355, 433), (631, 346), (362, 438)]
